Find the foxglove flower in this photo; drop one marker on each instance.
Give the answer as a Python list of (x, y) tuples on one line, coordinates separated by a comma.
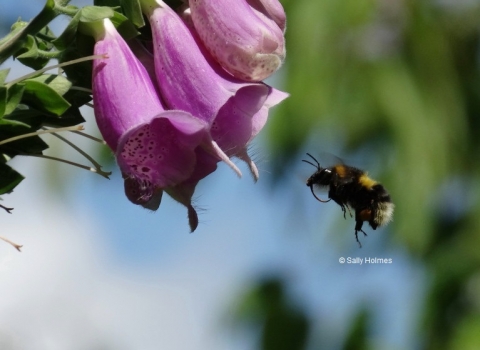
[(190, 80), (155, 149), (245, 37)]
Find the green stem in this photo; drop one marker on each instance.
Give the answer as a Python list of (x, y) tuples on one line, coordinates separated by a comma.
[(100, 172), (79, 150), (15, 245), (48, 54), (70, 11), (14, 41), (38, 72), (90, 137), (36, 133)]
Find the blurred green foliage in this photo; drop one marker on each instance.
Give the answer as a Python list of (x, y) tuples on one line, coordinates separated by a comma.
[(283, 325), (401, 80)]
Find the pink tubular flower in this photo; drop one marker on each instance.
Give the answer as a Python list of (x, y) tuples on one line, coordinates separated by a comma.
[(155, 149), (244, 36), (190, 80)]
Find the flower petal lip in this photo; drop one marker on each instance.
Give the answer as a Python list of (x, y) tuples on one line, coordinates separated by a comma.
[(124, 95), (247, 43), (162, 152)]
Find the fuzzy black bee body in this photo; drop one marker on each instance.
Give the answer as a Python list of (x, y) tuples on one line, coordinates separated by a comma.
[(350, 187)]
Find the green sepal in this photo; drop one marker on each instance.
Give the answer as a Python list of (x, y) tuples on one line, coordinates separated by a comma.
[(90, 22)]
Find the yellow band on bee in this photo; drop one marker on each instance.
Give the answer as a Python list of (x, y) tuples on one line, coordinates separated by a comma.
[(366, 181)]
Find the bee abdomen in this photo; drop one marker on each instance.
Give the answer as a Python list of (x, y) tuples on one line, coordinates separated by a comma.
[(384, 206)]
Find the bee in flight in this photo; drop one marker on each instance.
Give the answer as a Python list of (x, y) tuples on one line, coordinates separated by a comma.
[(350, 187)]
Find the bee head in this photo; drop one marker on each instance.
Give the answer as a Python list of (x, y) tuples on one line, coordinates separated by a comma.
[(321, 177)]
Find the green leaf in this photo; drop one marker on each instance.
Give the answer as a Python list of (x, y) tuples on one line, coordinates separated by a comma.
[(36, 52), (77, 98), (14, 96), (81, 73), (133, 11), (29, 145), (30, 119), (9, 178), (43, 97), (71, 117), (30, 49), (3, 100), (107, 3), (12, 123), (57, 82), (68, 36), (3, 75)]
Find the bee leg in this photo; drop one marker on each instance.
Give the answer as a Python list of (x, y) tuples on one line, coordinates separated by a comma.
[(356, 237), (344, 209), (349, 211), (358, 228)]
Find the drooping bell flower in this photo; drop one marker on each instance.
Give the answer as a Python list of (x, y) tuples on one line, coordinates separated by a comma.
[(155, 148), (245, 37), (191, 80)]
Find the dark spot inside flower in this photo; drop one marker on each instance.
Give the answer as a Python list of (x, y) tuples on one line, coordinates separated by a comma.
[(145, 169)]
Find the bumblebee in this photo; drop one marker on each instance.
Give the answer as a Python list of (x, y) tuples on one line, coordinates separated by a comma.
[(350, 187)]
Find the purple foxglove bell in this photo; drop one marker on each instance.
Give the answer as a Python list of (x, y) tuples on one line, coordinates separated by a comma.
[(190, 80), (155, 149), (247, 40)]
